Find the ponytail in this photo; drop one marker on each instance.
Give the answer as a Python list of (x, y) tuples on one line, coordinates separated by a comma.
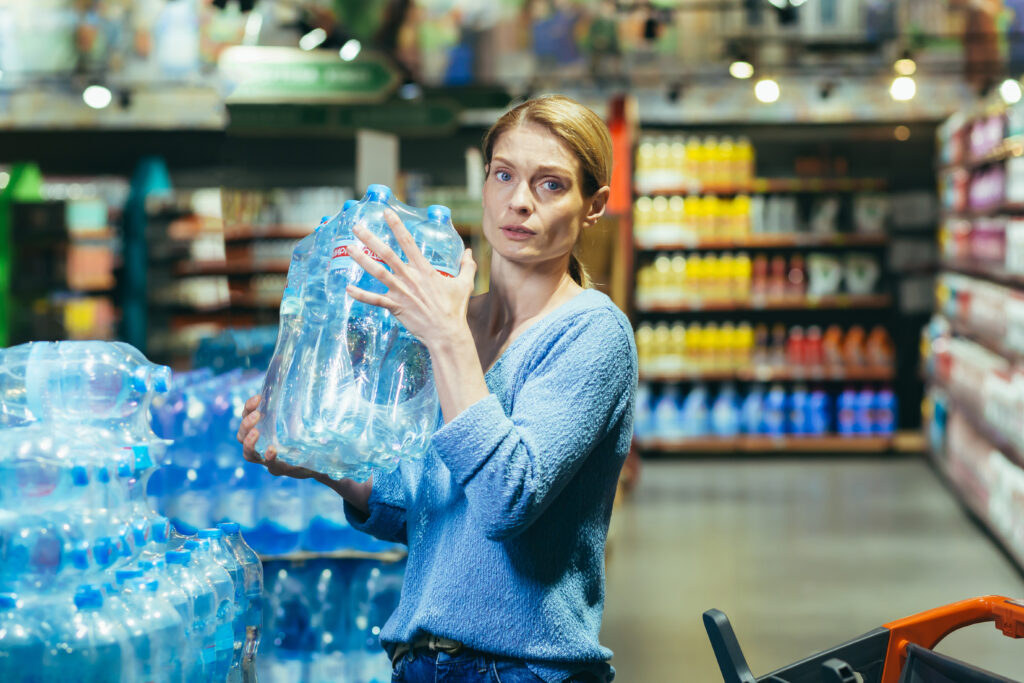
[(578, 273)]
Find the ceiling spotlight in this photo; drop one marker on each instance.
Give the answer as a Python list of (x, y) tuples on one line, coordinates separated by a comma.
[(410, 91), (766, 90), (903, 88), (1010, 91), (313, 39), (350, 50), (905, 66), (97, 97), (901, 133), (741, 69)]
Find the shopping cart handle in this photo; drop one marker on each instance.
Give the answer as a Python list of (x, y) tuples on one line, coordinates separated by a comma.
[(838, 671), (928, 628), (727, 649)]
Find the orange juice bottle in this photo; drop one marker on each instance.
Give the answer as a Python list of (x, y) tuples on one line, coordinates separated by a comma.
[(725, 161), (744, 343), (831, 346), (741, 216), (677, 348), (692, 164), (743, 155), (694, 337)]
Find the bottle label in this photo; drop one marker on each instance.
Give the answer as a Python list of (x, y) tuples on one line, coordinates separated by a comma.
[(447, 272), (344, 248)]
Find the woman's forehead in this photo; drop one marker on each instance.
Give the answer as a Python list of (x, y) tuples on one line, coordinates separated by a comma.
[(531, 144)]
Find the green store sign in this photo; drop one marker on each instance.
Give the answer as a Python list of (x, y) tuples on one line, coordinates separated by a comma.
[(428, 117), (266, 75)]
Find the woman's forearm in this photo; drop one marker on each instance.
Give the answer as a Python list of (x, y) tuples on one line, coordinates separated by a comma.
[(457, 372), (356, 493)]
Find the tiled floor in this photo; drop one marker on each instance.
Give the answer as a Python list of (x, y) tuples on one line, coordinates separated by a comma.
[(801, 555)]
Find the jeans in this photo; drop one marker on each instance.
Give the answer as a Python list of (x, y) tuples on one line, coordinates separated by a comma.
[(465, 667)]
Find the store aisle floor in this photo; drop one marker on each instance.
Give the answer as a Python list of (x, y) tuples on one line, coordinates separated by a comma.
[(802, 555)]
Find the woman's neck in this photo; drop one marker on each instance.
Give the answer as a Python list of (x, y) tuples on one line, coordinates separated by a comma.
[(518, 294)]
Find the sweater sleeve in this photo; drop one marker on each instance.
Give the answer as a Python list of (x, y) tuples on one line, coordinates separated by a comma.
[(513, 466), (387, 504)]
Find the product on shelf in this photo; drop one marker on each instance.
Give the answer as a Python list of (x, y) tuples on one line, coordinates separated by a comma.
[(675, 163), (375, 403), (671, 417), (85, 579)]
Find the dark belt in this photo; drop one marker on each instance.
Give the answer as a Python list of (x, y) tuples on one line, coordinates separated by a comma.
[(427, 641)]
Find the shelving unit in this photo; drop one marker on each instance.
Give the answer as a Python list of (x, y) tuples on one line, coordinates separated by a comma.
[(775, 374), (773, 241), (767, 444), (305, 556), (793, 303), (976, 424)]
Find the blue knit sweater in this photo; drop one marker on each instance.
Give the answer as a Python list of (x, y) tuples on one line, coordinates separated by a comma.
[(506, 517)]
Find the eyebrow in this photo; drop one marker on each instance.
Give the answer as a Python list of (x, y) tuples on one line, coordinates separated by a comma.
[(550, 169)]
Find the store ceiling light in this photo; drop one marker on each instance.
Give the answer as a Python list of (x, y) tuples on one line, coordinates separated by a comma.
[(350, 50), (903, 88), (905, 66), (5, 178), (97, 97), (901, 133), (313, 39), (1010, 91), (741, 69), (766, 90)]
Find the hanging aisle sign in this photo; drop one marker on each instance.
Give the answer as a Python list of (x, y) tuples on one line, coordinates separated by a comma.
[(268, 75)]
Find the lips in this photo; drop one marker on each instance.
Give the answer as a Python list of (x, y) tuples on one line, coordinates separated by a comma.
[(520, 229)]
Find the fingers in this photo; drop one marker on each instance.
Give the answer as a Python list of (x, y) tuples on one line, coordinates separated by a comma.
[(372, 298), (406, 241), (248, 422), (253, 403), (371, 266), (378, 247)]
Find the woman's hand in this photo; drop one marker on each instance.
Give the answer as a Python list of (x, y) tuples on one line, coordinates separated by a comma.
[(248, 435), (355, 492), (430, 305)]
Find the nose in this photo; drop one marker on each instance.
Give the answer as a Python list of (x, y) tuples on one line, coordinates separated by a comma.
[(521, 201)]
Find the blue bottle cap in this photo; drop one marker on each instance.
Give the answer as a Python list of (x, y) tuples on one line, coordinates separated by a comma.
[(324, 219), (191, 545), (139, 534), (143, 458), (103, 475), (123, 546), (182, 557), (349, 203), (210, 533), (102, 551), (80, 559), (124, 470), (438, 213), (88, 597), (122, 575), (161, 379), (79, 475), (229, 527), (150, 586), (8, 600), (159, 531), (378, 193), (138, 379)]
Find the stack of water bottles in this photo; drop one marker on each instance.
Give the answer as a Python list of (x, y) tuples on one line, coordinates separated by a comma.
[(94, 586), (247, 348), (323, 620), (205, 481), (348, 388)]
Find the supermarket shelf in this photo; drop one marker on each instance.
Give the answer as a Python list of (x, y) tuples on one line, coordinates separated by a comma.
[(773, 241), (984, 428), (772, 185), (832, 443), (997, 210), (975, 508), (305, 556), (836, 301), (985, 271), (1008, 148), (243, 233), (232, 268), (998, 348), (776, 374)]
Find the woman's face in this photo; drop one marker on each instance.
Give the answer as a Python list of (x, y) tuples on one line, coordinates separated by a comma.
[(534, 207)]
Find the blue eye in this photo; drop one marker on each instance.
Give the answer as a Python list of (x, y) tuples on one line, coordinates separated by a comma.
[(503, 176), (552, 185)]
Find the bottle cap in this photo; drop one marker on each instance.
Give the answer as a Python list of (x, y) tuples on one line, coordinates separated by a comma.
[(349, 203), (103, 475), (438, 213), (138, 379), (102, 550), (143, 458), (211, 533), (150, 586), (79, 475), (8, 600), (378, 193), (88, 597), (80, 559), (122, 575), (161, 375), (139, 534), (182, 557), (229, 527), (191, 544), (124, 470), (159, 531)]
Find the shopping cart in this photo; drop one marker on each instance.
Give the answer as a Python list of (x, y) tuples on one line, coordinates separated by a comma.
[(898, 652)]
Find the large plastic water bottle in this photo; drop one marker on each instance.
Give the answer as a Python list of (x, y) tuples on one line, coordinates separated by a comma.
[(175, 596), (204, 607), (164, 630), (219, 579), (252, 577), (377, 588), (329, 583), (226, 559), (289, 626), (22, 640), (87, 642)]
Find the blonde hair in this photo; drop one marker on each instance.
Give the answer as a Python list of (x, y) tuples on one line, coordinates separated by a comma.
[(581, 130)]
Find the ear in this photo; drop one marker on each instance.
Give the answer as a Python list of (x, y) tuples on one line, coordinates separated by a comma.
[(597, 206)]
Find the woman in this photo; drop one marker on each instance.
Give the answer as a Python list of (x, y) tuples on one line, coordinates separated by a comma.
[(506, 517)]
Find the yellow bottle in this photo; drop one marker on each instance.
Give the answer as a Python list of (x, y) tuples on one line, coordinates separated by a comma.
[(709, 151), (676, 219), (710, 356), (678, 162), (694, 277), (659, 220), (645, 162), (662, 165), (694, 338), (741, 274), (693, 163), (741, 216), (661, 348), (744, 342), (678, 348), (726, 162), (642, 212), (726, 282), (661, 290), (743, 155), (678, 284), (644, 343)]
